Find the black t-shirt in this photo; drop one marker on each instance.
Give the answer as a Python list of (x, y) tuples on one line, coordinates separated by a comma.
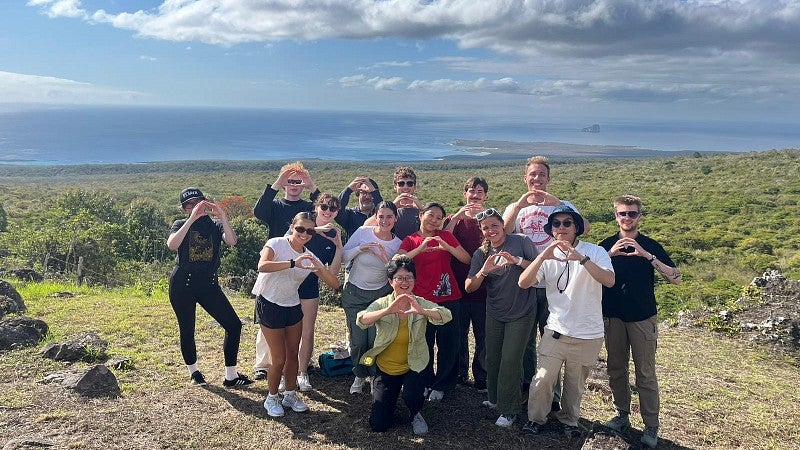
[(199, 251), (632, 297), (278, 214)]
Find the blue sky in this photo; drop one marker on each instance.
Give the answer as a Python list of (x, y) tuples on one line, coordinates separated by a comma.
[(665, 59)]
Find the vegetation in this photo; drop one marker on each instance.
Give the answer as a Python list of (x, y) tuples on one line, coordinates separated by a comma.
[(724, 218)]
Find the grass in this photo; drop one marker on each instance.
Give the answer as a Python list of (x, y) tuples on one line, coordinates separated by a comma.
[(716, 392)]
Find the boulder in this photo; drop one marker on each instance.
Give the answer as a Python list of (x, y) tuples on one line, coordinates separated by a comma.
[(19, 332), (8, 290), (97, 381), (26, 275), (87, 346)]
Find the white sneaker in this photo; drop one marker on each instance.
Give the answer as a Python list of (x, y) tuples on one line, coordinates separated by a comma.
[(302, 382), (273, 406), (358, 385), (418, 424), (291, 400), (436, 395), (506, 420), (489, 404), (282, 385)]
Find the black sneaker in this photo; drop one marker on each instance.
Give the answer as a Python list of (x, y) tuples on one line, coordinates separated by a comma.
[(572, 431), (531, 427), (259, 374), (480, 386), (197, 379), (240, 380)]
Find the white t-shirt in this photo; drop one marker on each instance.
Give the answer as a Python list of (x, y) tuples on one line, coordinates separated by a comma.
[(574, 297), (368, 271), (281, 287)]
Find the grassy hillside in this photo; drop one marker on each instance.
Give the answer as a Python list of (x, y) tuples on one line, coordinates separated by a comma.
[(716, 393)]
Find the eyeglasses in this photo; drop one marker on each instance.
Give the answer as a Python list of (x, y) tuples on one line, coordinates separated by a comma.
[(489, 212), (405, 183), (308, 231), (403, 279), (325, 207), (558, 224), (294, 181), (631, 214)]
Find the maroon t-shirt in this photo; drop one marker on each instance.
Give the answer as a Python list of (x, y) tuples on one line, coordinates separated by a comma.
[(468, 233)]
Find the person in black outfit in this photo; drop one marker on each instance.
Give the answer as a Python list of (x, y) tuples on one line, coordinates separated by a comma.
[(368, 196), (278, 215), (198, 240)]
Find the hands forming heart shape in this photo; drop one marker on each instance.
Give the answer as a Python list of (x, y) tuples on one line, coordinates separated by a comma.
[(405, 304)]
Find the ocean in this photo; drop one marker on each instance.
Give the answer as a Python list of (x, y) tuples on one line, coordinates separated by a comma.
[(91, 135)]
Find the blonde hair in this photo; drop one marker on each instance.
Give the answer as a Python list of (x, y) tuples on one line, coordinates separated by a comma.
[(538, 160), (297, 165)]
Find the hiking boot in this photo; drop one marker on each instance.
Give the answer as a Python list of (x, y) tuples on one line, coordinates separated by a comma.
[(291, 400), (273, 406), (506, 420), (650, 437), (532, 427), (240, 380), (302, 382), (260, 374), (480, 386), (572, 431), (418, 424), (358, 385), (489, 404), (619, 422), (436, 396), (197, 379)]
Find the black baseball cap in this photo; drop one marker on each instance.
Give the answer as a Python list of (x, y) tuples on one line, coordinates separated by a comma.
[(191, 193)]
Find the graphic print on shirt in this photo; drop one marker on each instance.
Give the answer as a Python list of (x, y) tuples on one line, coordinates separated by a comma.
[(201, 249), (532, 225), (444, 288)]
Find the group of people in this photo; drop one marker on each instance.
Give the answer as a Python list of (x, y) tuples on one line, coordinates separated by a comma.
[(417, 280)]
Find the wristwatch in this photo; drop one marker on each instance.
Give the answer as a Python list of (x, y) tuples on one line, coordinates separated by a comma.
[(291, 263), (653, 258), (519, 261), (584, 260)]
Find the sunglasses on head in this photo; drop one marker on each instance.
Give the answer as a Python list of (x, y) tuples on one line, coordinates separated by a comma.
[(294, 181), (489, 212), (631, 214), (558, 224), (325, 207), (308, 231), (405, 183)]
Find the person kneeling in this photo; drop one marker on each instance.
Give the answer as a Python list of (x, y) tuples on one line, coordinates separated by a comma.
[(400, 350)]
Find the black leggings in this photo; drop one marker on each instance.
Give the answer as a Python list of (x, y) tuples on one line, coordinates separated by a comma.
[(186, 290)]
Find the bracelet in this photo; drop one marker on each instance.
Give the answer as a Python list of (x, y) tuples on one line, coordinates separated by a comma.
[(291, 263), (584, 260), (519, 261)]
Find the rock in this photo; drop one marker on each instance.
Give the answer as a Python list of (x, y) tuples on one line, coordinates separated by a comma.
[(7, 306), (120, 363), (27, 275), (19, 332), (8, 290), (61, 294), (96, 381), (594, 128), (603, 438), (87, 346)]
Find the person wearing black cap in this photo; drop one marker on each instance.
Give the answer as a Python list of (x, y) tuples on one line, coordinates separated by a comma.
[(197, 239), (574, 273), (368, 196)]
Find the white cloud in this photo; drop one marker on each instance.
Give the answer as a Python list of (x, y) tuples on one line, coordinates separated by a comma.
[(147, 58), (23, 88)]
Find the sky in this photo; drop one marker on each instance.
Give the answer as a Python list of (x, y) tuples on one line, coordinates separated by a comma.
[(655, 59)]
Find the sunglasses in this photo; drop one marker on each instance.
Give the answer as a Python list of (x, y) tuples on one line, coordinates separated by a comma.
[(308, 231), (631, 214), (325, 207), (558, 224), (403, 279), (294, 181), (405, 183), (489, 212)]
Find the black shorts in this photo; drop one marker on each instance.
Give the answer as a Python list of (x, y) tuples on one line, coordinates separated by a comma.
[(276, 316)]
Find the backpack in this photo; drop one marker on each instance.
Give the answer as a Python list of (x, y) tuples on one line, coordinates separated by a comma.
[(331, 367)]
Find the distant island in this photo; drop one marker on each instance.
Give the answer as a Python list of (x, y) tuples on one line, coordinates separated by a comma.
[(519, 150), (595, 128)]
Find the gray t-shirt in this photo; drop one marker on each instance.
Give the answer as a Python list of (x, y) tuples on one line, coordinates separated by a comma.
[(505, 301)]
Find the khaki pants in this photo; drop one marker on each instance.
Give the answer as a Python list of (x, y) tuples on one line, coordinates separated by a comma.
[(641, 340), (579, 357)]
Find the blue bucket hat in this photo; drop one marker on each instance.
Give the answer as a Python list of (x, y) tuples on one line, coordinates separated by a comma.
[(564, 209)]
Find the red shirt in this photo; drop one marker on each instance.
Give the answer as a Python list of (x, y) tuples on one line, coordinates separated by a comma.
[(435, 278)]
